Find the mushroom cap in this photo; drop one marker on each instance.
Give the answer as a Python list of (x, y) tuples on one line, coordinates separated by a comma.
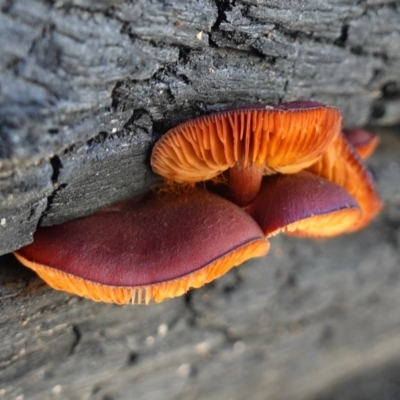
[(363, 141), (152, 247), (303, 204), (283, 138), (342, 165)]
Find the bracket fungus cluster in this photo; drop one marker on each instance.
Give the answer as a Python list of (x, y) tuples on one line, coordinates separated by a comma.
[(286, 168)]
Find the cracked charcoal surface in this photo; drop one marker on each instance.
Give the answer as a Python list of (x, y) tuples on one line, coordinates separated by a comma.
[(87, 87), (312, 320)]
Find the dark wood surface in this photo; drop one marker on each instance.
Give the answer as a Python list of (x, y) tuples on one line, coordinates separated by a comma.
[(312, 320), (86, 88)]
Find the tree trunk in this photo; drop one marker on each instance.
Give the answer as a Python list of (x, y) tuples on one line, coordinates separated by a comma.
[(86, 88)]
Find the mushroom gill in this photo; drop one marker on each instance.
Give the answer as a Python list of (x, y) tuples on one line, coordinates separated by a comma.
[(342, 165), (250, 142)]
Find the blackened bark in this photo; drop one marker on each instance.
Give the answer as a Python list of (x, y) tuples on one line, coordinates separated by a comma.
[(86, 87)]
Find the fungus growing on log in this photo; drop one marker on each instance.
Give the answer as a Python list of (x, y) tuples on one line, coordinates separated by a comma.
[(250, 142), (148, 248), (161, 244), (341, 164), (303, 204), (363, 141)]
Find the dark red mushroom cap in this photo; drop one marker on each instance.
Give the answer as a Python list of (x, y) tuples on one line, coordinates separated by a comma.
[(363, 141), (153, 247), (303, 204), (250, 141), (341, 164)]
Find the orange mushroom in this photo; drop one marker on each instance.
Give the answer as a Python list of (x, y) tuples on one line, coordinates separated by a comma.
[(303, 204), (148, 248), (341, 164), (363, 141), (250, 142)]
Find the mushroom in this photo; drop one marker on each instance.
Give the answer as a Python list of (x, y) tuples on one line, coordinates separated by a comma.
[(363, 141), (250, 142), (303, 204), (342, 165), (148, 248)]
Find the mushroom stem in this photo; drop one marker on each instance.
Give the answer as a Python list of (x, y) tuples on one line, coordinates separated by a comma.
[(244, 182)]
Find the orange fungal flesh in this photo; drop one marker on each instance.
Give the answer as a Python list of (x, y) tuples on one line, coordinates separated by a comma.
[(324, 226), (340, 164), (147, 248), (144, 294), (281, 139)]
